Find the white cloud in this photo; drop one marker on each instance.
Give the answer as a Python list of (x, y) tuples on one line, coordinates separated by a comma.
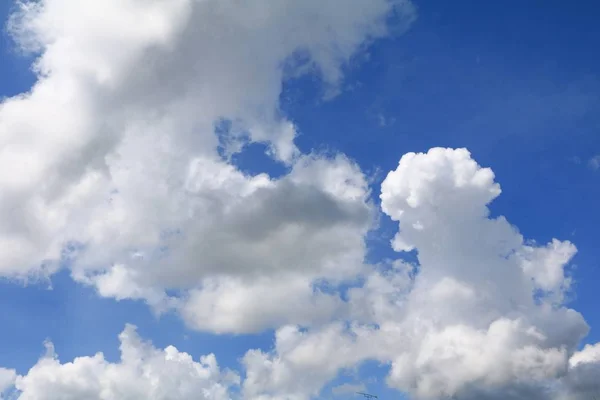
[(300, 364), (475, 315), (236, 305), (7, 380), (545, 265), (244, 235), (582, 381), (143, 372), (480, 316), (112, 159), (594, 162), (589, 355)]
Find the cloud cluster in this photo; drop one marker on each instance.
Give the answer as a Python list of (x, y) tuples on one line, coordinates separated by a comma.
[(116, 161), (480, 316), (116, 165), (143, 372)]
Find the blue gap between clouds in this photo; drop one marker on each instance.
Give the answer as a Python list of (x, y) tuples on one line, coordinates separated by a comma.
[(371, 374), (252, 158), (80, 323), (15, 67)]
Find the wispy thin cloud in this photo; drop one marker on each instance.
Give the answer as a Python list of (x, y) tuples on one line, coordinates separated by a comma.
[(346, 388), (594, 162)]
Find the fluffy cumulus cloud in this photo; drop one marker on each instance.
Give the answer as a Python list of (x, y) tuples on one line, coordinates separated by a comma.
[(121, 154), (116, 165), (143, 372), (481, 315)]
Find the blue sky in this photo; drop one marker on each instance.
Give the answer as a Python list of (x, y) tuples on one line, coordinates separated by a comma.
[(517, 83)]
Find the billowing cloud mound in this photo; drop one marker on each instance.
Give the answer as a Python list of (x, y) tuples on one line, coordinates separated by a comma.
[(143, 372), (485, 308), (481, 316), (115, 162)]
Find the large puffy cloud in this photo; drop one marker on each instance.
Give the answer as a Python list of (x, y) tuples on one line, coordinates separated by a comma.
[(296, 369), (486, 307), (300, 364), (244, 235), (481, 315), (143, 372), (121, 147)]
